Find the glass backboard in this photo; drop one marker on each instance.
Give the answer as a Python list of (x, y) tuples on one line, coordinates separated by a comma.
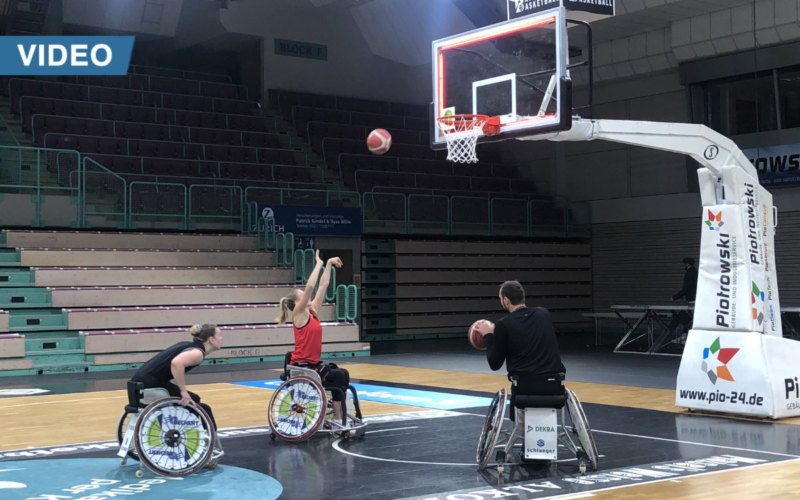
[(516, 70)]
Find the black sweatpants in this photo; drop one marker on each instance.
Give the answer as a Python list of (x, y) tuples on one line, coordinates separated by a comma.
[(151, 382)]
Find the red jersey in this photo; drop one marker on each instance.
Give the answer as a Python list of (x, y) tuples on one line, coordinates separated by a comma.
[(308, 341)]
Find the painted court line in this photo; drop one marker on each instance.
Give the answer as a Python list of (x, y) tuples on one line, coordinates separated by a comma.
[(708, 473), (672, 440)]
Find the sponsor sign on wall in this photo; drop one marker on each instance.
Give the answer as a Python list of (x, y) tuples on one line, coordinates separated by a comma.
[(312, 221), (776, 165), (520, 8), (541, 435)]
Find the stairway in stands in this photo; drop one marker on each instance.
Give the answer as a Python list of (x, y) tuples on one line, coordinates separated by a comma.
[(91, 301)]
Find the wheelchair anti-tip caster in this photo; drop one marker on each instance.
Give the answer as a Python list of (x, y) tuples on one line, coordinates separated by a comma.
[(140, 473), (122, 462), (272, 436), (213, 464), (582, 467)]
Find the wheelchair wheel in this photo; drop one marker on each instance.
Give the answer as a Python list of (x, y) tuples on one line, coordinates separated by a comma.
[(173, 440), (491, 428), (122, 426), (297, 409), (581, 427)]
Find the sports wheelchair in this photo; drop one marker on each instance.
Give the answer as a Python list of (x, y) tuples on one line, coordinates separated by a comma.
[(534, 421), (301, 406), (167, 438)]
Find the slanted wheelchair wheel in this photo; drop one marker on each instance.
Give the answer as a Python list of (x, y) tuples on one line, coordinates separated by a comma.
[(122, 426), (297, 409), (173, 440), (491, 428), (581, 426)]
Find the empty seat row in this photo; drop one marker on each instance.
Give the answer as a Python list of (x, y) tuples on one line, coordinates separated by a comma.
[(366, 180), (286, 100), (164, 149), (318, 131), (301, 115), (31, 106), (19, 88), (164, 84), (178, 73), (332, 148), (44, 124), (194, 168), (351, 163)]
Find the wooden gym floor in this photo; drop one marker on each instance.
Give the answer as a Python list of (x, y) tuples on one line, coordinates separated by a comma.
[(411, 453)]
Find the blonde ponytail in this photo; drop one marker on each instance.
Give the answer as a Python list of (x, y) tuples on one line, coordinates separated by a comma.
[(287, 304)]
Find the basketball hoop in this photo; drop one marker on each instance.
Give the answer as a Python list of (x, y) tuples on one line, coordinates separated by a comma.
[(461, 133)]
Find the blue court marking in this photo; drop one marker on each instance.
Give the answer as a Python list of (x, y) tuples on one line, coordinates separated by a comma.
[(75, 478), (394, 395)]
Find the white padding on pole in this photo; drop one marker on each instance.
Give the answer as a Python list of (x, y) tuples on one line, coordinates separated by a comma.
[(739, 372)]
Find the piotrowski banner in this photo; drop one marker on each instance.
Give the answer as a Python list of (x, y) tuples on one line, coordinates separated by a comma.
[(730, 276), (737, 250), (65, 55)]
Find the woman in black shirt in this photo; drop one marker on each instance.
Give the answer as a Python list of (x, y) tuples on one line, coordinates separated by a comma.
[(168, 368)]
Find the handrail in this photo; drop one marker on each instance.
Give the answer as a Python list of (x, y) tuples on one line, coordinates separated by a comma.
[(204, 216), (453, 165), (284, 251), (82, 184), (327, 192), (471, 178), (156, 185)]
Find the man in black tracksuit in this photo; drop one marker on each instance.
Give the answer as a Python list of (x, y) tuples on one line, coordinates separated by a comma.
[(688, 292), (525, 340)]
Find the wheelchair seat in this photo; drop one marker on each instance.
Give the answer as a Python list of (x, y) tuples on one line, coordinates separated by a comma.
[(544, 391), (139, 397)]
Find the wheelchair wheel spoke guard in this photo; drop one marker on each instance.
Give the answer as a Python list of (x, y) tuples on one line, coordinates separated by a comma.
[(173, 440), (491, 428), (297, 409), (581, 426)]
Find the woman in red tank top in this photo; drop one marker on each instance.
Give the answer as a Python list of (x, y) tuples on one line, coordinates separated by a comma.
[(304, 307)]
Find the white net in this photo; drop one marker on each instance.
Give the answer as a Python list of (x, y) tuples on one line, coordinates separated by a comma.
[(461, 134)]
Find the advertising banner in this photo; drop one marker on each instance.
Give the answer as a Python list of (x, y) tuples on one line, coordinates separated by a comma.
[(725, 371), (541, 436), (731, 286), (776, 165), (784, 374), (736, 188), (312, 221)]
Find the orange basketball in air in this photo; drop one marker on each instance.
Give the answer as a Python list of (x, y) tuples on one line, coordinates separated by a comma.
[(379, 141)]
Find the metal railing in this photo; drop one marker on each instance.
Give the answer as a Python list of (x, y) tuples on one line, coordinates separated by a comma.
[(108, 199), (387, 212)]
